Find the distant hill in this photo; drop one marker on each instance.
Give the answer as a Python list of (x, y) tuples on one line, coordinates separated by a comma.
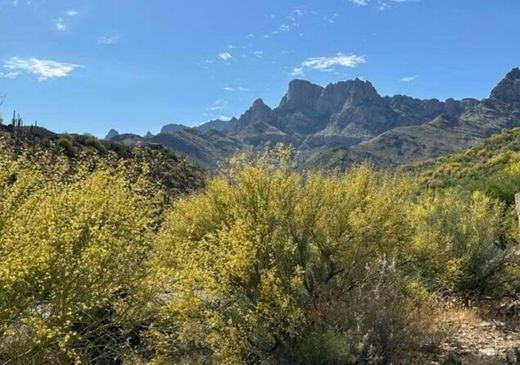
[(348, 121), (173, 173)]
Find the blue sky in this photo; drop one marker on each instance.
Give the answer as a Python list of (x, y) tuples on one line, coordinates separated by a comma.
[(85, 66)]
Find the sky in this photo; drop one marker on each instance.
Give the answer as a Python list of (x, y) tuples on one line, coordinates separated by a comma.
[(85, 66)]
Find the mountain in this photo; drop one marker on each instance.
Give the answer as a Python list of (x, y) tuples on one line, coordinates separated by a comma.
[(460, 125), (172, 128), (111, 134), (206, 148), (344, 122)]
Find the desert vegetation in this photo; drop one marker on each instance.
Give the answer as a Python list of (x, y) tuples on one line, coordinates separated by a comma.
[(102, 263)]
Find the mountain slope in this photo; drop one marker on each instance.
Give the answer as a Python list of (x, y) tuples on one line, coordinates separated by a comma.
[(471, 166)]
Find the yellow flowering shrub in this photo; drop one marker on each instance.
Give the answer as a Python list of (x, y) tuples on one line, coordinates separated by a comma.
[(248, 265), (71, 248)]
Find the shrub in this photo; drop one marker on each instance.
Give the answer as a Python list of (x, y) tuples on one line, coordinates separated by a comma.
[(462, 242), (71, 253), (254, 263)]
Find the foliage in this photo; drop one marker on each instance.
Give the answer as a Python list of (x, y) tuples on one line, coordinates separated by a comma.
[(462, 242), (104, 262), (255, 260), (485, 166)]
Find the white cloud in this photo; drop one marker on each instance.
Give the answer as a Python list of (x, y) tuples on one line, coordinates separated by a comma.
[(291, 22), (409, 78), (9, 75), (331, 19), (60, 25), (235, 88), (72, 12), (360, 2), (224, 118), (217, 105), (108, 40), (225, 56), (328, 63), (381, 4), (259, 53), (297, 71), (42, 69)]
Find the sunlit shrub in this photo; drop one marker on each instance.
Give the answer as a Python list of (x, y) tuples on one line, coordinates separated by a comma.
[(253, 263), (461, 242)]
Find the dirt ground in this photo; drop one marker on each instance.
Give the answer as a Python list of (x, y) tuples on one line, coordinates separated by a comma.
[(487, 334)]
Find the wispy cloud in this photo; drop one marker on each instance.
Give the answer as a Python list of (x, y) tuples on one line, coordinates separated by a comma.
[(219, 104), (235, 88), (381, 4), (42, 69), (224, 118), (60, 25), (409, 78), (9, 75), (109, 40), (328, 63), (225, 56), (72, 12), (291, 22), (331, 19), (360, 2)]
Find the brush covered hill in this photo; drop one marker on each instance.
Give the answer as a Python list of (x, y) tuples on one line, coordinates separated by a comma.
[(492, 165), (167, 170)]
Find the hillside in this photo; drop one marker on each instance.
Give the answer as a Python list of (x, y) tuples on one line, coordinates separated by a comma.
[(173, 174), (490, 165)]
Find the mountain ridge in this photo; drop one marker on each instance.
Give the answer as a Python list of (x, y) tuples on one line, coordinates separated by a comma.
[(347, 121)]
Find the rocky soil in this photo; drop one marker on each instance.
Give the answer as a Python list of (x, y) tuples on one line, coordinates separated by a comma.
[(487, 335)]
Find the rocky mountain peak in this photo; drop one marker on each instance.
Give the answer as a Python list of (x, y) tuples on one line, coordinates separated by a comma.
[(508, 90), (257, 112), (360, 92), (301, 93), (259, 104), (172, 128), (111, 134)]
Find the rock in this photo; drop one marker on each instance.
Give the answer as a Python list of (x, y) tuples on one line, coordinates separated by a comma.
[(508, 90), (172, 128), (498, 324), (484, 324), (511, 357), (301, 93), (111, 134), (491, 352)]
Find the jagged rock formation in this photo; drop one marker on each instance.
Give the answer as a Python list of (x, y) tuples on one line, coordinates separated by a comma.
[(111, 134), (458, 126), (349, 121)]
